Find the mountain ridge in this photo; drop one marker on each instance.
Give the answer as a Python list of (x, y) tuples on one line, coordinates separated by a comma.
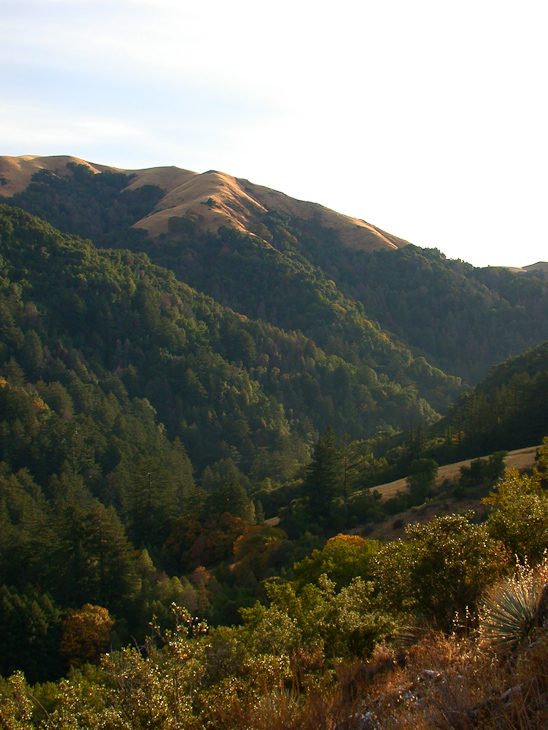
[(298, 273), (539, 267), (214, 198)]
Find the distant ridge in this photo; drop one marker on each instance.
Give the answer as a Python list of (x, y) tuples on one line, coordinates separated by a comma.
[(214, 198), (540, 267)]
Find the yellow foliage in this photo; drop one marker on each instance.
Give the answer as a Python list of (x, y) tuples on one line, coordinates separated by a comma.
[(350, 540), (39, 404), (85, 634), (457, 437)]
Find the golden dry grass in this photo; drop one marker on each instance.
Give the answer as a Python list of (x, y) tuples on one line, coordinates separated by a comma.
[(442, 682), (240, 204), (231, 205), (520, 458), (17, 171), (541, 266), (452, 683)]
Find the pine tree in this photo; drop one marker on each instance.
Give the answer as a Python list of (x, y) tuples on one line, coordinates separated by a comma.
[(151, 501), (324, 476)]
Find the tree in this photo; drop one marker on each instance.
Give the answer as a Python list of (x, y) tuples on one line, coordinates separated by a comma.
[(323, 479), (91, 559), (520, 517), (85, 634), (421, 478), (151, 500), (343, 558), (256, 550), (232, 498), (483, 471), (29, 637), (32, 356), (353, 463)]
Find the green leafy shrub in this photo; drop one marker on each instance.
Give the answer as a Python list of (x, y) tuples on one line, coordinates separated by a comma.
[(441, 571), (520, 517)]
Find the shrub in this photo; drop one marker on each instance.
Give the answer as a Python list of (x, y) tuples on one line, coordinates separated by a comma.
[(441, 571), (520, 517), (421, 478), (515, 607)]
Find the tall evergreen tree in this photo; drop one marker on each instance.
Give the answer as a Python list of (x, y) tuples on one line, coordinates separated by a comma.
[(151, 501), (324, 476)]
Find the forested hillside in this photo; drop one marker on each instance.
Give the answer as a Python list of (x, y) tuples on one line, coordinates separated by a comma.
[(440, 630), (142, 424), (299, 274), (159, 398), (505, 411), (463, 319)]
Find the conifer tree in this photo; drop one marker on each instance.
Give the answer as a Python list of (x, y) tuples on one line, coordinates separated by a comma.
[(323, 479)]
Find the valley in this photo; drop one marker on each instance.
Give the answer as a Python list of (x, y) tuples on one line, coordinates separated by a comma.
[(271, 434)]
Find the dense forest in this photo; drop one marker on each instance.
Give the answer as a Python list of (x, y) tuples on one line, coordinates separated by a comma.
[(437, 631), (128, 424), (188, 423), (297, 274), (505, 411)]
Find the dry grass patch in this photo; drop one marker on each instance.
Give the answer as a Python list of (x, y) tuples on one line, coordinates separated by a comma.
[(452, 683), (520, 459)]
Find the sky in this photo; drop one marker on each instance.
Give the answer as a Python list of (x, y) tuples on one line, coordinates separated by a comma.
[(426, 118)]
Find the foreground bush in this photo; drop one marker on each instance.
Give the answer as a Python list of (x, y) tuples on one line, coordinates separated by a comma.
[(516, 607)]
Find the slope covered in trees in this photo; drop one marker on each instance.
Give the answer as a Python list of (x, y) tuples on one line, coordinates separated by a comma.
[(506, 411), (444, 629), (139, 415), (461, 318), (89, 205), (249, 275), (298, 274), (175, 347), (147, 425)]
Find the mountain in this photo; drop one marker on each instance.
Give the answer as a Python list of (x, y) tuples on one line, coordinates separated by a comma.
[(142, 423), (329, 335), (539, 266), (214, 198), (16, 172), (298, 266), (231, 388), (150, 415), (463, 319)]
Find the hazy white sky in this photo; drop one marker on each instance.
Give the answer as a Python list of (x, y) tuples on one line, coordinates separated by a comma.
[(424, 117)]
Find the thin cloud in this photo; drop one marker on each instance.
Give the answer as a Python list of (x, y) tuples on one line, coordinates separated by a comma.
[(25, 125)]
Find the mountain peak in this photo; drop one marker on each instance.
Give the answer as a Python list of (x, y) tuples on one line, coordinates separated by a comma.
[(16, 172)]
